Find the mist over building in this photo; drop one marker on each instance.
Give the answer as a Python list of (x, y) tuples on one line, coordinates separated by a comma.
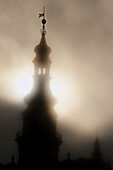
[(86, 99), (39, 141)]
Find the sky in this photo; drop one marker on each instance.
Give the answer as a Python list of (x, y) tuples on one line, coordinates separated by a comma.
[(80, 34)]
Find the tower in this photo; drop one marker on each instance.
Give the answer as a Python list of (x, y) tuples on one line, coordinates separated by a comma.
[(97, 153), (39, 141)]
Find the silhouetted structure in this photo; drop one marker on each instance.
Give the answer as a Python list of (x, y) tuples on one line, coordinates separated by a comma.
[(39, 141), (97, 153), (94, 163)]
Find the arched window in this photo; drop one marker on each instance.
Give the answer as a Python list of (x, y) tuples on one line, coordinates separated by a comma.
[(39, 71), (44, 71)]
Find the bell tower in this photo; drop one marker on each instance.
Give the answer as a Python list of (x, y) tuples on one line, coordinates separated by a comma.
[(39, 140)]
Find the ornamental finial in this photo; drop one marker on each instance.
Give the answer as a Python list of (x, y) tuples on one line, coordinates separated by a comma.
[(43, 30)]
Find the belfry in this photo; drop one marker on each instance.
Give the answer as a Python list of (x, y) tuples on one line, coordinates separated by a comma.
[(39, 141)]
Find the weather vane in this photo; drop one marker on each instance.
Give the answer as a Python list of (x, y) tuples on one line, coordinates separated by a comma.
[(43, 30)]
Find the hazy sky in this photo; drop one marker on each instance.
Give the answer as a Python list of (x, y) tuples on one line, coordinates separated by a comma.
[(80, 34)]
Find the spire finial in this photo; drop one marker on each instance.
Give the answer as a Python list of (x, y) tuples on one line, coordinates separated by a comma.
[(96, 132), (44, 12), (43, 30)]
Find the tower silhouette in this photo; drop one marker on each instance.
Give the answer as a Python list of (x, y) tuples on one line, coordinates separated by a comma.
[(39, 141), (97, 152)]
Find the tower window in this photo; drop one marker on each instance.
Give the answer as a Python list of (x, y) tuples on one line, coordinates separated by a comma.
[(44, 71), (39, 70)]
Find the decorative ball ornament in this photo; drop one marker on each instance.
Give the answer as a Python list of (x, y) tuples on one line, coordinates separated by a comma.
[(43, 21)]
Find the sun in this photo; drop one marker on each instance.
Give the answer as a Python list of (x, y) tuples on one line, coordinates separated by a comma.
[(21, 84)]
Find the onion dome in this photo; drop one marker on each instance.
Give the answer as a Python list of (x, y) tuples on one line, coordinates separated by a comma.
[(42, 52)]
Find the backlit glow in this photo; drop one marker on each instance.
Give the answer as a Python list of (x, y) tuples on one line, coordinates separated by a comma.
[(21, 84)]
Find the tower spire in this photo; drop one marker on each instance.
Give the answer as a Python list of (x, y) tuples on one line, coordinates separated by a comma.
[(97, 153), (43, 30)]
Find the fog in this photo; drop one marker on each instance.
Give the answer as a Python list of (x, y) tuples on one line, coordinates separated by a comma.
[(80, 34)]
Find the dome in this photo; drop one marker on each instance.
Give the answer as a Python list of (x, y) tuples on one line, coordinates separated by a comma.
[(42, 52)]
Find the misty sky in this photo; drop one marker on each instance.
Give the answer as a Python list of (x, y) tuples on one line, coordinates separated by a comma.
[(80, 34)]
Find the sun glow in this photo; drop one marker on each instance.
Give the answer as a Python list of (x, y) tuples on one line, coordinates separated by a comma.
[(68, 98), (21, 84), (62, 88)]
